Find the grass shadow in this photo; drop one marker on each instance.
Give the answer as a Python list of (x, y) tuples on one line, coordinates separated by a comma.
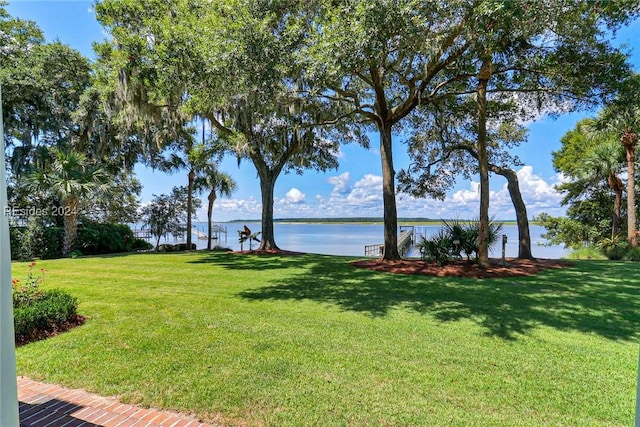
[(592, 297), (251, 261)]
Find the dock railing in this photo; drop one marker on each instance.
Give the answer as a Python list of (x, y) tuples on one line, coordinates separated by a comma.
[(405, 240)]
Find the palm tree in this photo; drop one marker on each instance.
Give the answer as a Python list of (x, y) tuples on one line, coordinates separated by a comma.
[(193, 157), (172, 163), (629, 140), (73, 179), (623, 117), (604, 162), (219, 184)]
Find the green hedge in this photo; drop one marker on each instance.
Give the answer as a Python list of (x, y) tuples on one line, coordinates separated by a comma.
[(38, 240), (141, 245), (43, 314), (95, 238)]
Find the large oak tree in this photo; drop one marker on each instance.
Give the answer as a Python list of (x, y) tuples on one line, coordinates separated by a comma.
[(385, 59), (234, 63), (444, 146)]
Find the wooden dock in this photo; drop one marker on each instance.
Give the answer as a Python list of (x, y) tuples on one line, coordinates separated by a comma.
[(405, 240), (200, 234), (142, 234), (216, 232)]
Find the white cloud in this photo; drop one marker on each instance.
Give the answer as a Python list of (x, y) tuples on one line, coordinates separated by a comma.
[(228, 209), (364, 198), (340, 183), (294, 196), (533, 186), (539, 196), (367, 192), (370, 181), (295, 210), (468, 196)]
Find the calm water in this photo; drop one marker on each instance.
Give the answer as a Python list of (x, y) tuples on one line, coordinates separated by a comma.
[(350, 239)]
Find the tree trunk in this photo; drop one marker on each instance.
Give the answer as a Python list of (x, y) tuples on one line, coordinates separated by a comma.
[(524, 236), (389, 196), (192, 177), (629, 140), (483, 235), (212, 199), (616, 185), (70, 218), (267, 184)]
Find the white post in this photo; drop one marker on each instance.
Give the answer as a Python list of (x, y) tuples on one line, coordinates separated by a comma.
[(638, 396), (504, 249), (8, 380)]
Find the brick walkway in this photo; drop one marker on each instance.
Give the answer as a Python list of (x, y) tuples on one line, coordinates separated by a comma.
[(45, 405)]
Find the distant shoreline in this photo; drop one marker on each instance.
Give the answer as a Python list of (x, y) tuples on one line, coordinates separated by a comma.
[(363, 220)]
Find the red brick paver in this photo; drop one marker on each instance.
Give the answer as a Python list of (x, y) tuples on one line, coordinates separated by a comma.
[(46, 405)]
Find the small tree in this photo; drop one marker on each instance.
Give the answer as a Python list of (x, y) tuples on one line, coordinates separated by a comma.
[(167, 213)]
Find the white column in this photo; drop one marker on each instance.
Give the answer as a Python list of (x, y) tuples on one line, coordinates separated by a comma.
[(8, 380), (638, 396)]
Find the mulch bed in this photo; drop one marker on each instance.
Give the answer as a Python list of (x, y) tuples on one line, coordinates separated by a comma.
[(52, 331), (463, 268)]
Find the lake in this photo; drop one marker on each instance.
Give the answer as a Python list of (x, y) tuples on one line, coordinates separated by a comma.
[(351, 238)]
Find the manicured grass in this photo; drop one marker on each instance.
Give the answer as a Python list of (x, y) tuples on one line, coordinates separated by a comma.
[(310, 340)]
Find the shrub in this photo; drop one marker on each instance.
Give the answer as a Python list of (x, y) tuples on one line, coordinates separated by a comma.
[(495, 228), (74, 254), (632, 254), (44, 314), (39, 240), (617, 248), (567, 231), (28, 292), (587, 252), (438, 248), (95, 238), (141, 245), (458, 236), (613, 248), (464, 237), (16, 235), (36, 311)]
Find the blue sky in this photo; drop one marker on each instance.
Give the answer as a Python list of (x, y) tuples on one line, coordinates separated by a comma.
[(355, 188)]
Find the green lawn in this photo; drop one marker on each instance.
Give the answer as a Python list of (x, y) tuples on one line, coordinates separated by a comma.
[(310, 340)]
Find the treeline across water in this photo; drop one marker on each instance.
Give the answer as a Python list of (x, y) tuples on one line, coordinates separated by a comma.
[(362, 220)]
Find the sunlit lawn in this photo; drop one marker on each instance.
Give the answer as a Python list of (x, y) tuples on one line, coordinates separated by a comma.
[(310, 340)]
